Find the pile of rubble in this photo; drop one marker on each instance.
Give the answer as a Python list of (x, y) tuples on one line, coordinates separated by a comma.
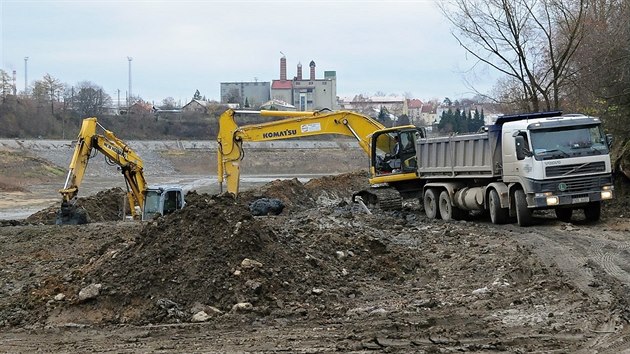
[(107, 205)]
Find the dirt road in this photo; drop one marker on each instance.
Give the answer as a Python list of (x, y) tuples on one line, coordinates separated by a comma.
[(322, 276)]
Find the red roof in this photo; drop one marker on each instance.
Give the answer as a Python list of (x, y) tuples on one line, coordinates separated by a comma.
[(428, 109), (281, 84), (414, 103)]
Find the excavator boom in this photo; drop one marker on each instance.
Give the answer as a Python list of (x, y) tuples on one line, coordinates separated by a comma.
[(293, 125)]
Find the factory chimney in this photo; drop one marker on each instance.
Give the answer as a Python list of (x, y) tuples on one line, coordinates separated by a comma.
[(283, 67), (312, 65)]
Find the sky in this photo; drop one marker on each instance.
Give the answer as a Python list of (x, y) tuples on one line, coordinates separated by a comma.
[(398, 47)]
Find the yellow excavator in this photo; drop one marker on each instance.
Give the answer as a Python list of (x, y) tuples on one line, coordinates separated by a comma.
[(391, 151), (144, 202)]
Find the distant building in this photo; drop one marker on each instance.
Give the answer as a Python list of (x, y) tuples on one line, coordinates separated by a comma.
[(141, 107), (196, 106), (414, 111), (306, 94), (393, 104), (277, 105), (428, 115), (246, 94)]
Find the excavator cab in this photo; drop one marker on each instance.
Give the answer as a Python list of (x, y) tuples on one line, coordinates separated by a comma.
[(394, 150), (162, 200)]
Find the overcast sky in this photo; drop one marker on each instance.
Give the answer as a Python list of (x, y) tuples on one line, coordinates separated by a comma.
[(177, 47)]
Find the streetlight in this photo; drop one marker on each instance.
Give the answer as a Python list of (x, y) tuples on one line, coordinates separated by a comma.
[(129, 96), (26, 75)]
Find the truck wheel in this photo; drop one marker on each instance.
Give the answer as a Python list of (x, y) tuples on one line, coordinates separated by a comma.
[(431, 204), (447, 210), (523, 214), (498, 215), (564, 214), (593, 211)]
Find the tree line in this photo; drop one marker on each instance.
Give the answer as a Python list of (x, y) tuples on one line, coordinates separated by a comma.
[(458, 121)]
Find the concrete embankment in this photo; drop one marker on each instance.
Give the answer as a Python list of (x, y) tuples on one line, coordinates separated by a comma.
[(158, 155), (41, 144)]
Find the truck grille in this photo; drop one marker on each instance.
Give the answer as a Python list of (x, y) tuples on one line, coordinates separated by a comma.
[(575, 185), (567, 170)]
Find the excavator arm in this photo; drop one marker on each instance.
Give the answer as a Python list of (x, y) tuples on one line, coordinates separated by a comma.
[(117, 153), (294, 125)]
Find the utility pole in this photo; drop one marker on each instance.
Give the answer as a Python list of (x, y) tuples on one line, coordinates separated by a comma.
[(26, 76)]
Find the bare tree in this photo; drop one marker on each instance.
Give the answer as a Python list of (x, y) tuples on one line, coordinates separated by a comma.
[(48, 89), (530, 41), (90, 100), (233, 96), (602, 64), (168, 103)]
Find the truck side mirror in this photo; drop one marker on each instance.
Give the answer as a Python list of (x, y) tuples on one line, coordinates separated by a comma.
[(521, 149), (609, 140)]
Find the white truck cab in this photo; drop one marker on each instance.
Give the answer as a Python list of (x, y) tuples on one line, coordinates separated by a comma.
[(559, 161)]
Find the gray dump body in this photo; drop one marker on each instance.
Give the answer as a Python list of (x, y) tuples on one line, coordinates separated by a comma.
[(460, 156)]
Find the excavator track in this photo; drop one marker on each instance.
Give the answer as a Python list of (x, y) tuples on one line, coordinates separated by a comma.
[(384, 198)]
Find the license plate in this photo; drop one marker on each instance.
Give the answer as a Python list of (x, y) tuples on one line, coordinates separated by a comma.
[(580, 200)]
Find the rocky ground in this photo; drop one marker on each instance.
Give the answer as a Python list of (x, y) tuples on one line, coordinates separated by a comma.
[(322, 276)]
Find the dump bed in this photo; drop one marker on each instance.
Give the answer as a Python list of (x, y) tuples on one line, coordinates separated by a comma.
[(460, 156)]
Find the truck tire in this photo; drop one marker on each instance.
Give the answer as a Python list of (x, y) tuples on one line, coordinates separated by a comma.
[(498, 215), (447, 210), (523, 214), (564, 214), (431, 204), (593, 211)]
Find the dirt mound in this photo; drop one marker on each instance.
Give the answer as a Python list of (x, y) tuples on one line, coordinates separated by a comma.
[(103, 206), (215, 253), (323, 191)]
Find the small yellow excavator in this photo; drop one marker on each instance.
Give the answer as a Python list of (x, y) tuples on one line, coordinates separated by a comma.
[(144, 202), (391, 151)]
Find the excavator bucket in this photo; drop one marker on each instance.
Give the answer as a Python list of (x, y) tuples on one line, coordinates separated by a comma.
[(71, 214)]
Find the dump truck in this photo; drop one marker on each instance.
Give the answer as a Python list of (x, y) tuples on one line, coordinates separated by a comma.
[(519, 164)]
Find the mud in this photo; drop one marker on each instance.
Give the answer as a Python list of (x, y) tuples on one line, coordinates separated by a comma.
[(322, 276)]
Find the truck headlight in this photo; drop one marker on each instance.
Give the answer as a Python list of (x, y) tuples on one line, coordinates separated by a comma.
[(607, 194), (553, 200)]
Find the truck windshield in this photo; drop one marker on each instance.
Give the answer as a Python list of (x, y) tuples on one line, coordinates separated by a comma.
[(151, 204), (559, 143)]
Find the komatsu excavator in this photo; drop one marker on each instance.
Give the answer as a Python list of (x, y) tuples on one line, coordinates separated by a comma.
[(144, 202), (391, 151)]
